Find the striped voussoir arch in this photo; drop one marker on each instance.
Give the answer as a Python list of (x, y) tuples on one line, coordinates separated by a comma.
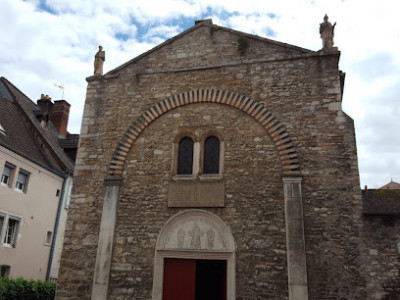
[(256, 110)]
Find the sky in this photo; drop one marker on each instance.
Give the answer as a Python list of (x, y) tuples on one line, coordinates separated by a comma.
[(50, 43)]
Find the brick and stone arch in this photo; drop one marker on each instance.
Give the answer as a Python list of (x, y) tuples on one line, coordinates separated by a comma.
[(276, 130)]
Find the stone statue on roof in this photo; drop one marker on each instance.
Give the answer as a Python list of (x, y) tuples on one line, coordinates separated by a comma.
[(326, 29), (99, 59)]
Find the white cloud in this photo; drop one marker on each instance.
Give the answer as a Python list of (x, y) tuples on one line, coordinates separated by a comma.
[(162, 31), (40, 47)]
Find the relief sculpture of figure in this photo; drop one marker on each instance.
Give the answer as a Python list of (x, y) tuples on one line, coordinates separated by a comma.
[(181, 238), (326, 29), (210, 238), (196, 234), (99, 59)]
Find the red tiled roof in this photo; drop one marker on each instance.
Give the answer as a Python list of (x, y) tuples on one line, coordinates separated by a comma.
[(25, 135), (391, 186)]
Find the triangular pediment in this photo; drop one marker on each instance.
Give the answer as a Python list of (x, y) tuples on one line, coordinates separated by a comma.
[(207, 45)]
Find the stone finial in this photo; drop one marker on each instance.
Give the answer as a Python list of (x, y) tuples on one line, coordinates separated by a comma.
[(99, 59), (326, 29)]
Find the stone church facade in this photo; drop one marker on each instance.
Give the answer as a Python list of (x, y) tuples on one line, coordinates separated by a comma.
[(220, 165)]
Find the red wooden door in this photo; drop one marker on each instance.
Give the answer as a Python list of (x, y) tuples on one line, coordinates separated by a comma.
[(179, 279)]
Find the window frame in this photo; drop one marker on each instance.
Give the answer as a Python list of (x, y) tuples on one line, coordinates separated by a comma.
[(2, 130), (48, 242), (5, 271), (14, 235), (10, 177), (198, 156), (207, 156), (25, 183), (212, 176), (184, 163), (3, 218)]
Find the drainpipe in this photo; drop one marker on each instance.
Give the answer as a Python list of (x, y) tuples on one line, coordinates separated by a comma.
[(53, 242)]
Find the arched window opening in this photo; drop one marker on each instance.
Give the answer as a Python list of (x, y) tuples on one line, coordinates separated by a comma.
[(211, 155), (185, 156)]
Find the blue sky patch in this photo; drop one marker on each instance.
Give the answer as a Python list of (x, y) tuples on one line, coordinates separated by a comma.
[(122, 36), (43, 6)]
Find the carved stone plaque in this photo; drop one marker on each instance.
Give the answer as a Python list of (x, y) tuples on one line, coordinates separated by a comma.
[(196, 193)]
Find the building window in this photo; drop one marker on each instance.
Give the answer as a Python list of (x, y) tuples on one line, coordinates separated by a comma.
[(49, 236), (200, 157), (211, 155), (11, 233), (8, 171), (4, 271), (2, 219), (22, 181), (2, 130), (185, 156)]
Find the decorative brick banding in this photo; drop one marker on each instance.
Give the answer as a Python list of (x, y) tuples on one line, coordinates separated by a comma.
[(256, 110)]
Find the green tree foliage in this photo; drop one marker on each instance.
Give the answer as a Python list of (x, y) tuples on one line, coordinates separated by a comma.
[(22, 289)]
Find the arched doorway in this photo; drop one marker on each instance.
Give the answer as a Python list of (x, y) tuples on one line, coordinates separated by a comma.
[(195, 250)]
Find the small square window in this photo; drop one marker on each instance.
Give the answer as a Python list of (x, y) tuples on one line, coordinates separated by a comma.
[(22, 181), (49, 237), (11, 233), (4, 271), (8, 171)]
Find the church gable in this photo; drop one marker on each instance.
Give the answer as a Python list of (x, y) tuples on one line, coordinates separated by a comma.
[(281, 180), (207, 45)]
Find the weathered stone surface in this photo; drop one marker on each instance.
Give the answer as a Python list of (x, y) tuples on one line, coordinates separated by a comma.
[(196, 193), (302, 90)]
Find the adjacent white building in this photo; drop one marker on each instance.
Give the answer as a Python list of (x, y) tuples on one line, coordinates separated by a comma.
[(36, 180)]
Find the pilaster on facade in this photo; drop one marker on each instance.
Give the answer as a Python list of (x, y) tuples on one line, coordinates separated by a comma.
[(295, 241), (106, 236)]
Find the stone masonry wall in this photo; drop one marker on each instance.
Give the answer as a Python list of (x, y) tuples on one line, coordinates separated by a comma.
[(300, 88), (380, 254), (253, 205)]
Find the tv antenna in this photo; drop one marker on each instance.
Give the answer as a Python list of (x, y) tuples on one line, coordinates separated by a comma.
[(61, 88)]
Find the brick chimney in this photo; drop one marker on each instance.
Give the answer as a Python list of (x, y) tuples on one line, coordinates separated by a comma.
[(45, 106), (60, 115)]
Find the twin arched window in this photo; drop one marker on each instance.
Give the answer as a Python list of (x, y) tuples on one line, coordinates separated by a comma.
[(185, 156), (210, 156)]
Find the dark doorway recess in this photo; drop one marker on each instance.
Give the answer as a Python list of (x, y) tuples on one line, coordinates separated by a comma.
[(190, 279), (210, 280)]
